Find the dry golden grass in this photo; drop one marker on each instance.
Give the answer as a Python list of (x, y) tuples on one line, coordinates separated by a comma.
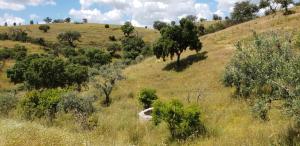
[(229, 120), (95, 35)]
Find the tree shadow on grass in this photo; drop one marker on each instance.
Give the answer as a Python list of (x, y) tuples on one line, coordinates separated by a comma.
[(186, 62)]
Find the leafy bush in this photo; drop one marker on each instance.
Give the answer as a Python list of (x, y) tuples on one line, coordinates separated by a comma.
[(16, 34), (81, 108), (127, 29), (267, 69), (147, 97), (182, 122), (261, 109), (69, 51), (97, 56), (80, 59), (44, 28), (69, 37), (46, 72), (38, 104), (132, 47), (112, 38), (74, 104), (113, 49), (106, 26), (18, 53), (7, 103)]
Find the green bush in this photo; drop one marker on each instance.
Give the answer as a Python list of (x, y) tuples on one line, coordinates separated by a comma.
[(182, 122), (69, 52), (267, 69), (38, 104), (71, 103), (147, 97), (7, 103), (261, 109), (97, 56), (112, 38), (132, 46), (81, 108), (106, 26), (44, 28), (47, 72), (18, 53)]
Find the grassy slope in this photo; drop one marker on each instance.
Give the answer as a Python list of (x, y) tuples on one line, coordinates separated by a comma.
[(229, 119), (92, 34)]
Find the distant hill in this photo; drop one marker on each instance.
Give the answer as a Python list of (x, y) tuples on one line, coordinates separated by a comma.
[(95, 35)]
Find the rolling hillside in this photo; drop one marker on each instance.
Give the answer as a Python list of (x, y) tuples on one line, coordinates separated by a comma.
[(228, 119), (93, 36)]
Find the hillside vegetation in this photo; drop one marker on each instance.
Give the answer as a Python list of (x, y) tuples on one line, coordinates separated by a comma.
[(92, 34), (198, 81)]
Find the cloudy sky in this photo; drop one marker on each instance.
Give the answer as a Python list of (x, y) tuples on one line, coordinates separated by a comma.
[(139, 12)]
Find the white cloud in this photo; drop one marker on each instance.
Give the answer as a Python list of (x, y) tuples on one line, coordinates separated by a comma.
[(10, 19), (95, 15), (17, 5), (141, 12), (33, 17)]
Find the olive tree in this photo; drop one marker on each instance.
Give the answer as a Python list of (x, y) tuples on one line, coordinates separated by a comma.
[(175, 39), (267, 69), (48, 20), (127, 29), (270, 4), (69, 37), (285, 5), (105, 80), (158, 25), (244, 11)]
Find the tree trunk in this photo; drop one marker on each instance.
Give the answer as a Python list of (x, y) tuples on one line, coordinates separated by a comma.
[(107, 100), (178, 59)]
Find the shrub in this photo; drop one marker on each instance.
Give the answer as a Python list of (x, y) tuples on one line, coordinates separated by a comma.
[(44, 28), (182, 122), (71, 103), (69, 37), (127, 29), (113, 49), (81, 108), (38, 104), (46, 72), (38, 41), (261, 109), (7, 103), (97, 56), (112, 38), (3, 36), (69, 51), (147, 97), (16, 34), (18, 53), (266, 68), (106, 26), (132, 47), (80, 59)]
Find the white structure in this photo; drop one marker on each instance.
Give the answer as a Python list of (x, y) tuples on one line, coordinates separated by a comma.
[(145, 115)]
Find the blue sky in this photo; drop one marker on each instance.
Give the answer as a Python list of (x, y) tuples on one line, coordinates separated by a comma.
[(139, 12)]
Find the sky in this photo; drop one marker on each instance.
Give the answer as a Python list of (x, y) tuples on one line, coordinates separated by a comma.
[(139, 12)]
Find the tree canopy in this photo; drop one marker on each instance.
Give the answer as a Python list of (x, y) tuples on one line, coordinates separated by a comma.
[(127, 29), (175, 39), (244, 11), (69, 37)]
